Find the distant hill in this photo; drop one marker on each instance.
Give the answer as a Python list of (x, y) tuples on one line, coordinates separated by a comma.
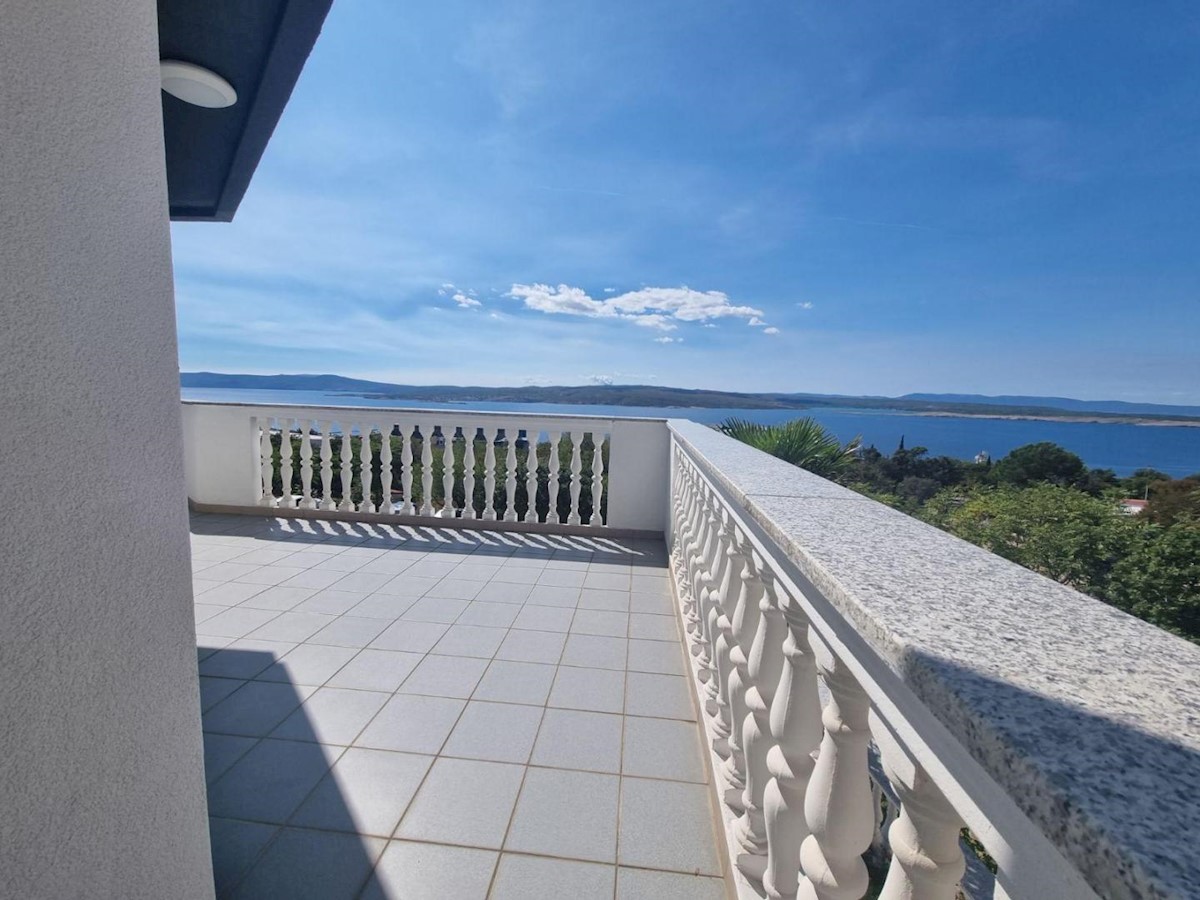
[(1101, 406), (281, 382), (659, 396)]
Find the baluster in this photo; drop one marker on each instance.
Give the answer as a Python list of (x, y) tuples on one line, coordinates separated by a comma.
[(554, 476), (795, 732), (531, 473), (689, 532), (407, 507), (326, 466), (489, 474), (346, 504), (764, 669), (703, 550), (286, 500), (710, 579), (469, 464), (720, 629), (426, 469), (266, 461), (510, 470), (306, 500), (596, 519), (447, 472), (576, 476), (743, 630), (927, 860), (385, 468), (837, 805), (365, 466)]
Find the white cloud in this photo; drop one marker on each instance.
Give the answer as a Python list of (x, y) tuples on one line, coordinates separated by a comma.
[(756, 322), (464, 301), (610, 290), (807, 304), (771, 330), (668, 340), (650, 307), (653, 320)]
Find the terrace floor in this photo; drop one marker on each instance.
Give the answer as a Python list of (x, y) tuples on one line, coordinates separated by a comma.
[(419, 713)]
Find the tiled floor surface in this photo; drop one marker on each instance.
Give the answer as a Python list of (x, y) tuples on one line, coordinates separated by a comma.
[(400, 713)]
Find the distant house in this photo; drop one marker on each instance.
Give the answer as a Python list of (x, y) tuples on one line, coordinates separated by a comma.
[(1133, 507)]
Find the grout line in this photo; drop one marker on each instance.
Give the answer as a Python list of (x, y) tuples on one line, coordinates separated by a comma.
[(495, 577)]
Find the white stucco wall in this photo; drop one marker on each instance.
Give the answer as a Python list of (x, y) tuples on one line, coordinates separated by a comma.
[(101, 778)]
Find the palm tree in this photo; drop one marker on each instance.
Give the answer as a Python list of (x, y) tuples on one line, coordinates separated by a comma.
[(802, 442)]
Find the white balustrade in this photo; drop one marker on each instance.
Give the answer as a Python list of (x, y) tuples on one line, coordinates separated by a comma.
[(414, 441), (346, 473), (531, 475), (266, 464), (364, 468), (720, 630), (927, 860), (742, 630), (407, 507), (385, 468), (837, 804), (286, 499), (469, 473), (489, 475), (795, 729), (553, 475), (306, 469), (426, 470), (326, 466), (510, 482), (447, 472), (576, 476), (794, 779), (597, 477)]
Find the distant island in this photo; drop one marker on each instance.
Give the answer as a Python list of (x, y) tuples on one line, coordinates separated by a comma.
[(1062, 409)]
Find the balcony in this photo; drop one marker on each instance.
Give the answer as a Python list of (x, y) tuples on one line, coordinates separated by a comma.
[(457, 654)]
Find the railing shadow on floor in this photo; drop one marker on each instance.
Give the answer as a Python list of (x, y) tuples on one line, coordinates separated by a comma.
[(457, 537)]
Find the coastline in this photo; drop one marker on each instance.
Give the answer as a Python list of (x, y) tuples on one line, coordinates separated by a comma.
[(1087, 419)]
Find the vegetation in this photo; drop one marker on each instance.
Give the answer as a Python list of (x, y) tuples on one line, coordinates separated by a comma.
[(802, 442), (1043, 508)]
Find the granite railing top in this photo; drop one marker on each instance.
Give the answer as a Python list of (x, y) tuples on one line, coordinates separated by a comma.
[(1087, 717)]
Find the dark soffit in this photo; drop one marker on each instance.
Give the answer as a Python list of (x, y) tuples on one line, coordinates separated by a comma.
[(258, 46)]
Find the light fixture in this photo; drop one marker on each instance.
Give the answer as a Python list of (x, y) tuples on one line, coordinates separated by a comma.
[(196, 84)]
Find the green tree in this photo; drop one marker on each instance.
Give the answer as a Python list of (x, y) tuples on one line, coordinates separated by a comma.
[(1159, 578), (1044, 461), (802, 442), (1173, 500), (1061, 532), (1137, 484)]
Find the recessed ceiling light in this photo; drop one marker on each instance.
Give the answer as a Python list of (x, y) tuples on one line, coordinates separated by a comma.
[(196, 84)]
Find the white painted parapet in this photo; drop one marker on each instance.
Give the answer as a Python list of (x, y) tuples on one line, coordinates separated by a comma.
[(482, 462), (1061, 732)]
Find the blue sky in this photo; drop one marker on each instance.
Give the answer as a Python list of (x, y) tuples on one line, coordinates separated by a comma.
[(855, 198)]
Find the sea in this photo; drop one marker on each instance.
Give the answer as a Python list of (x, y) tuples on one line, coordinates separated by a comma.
[(1123, 448)]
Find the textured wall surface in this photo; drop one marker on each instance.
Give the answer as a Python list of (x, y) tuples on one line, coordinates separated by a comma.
[(101, 773)]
